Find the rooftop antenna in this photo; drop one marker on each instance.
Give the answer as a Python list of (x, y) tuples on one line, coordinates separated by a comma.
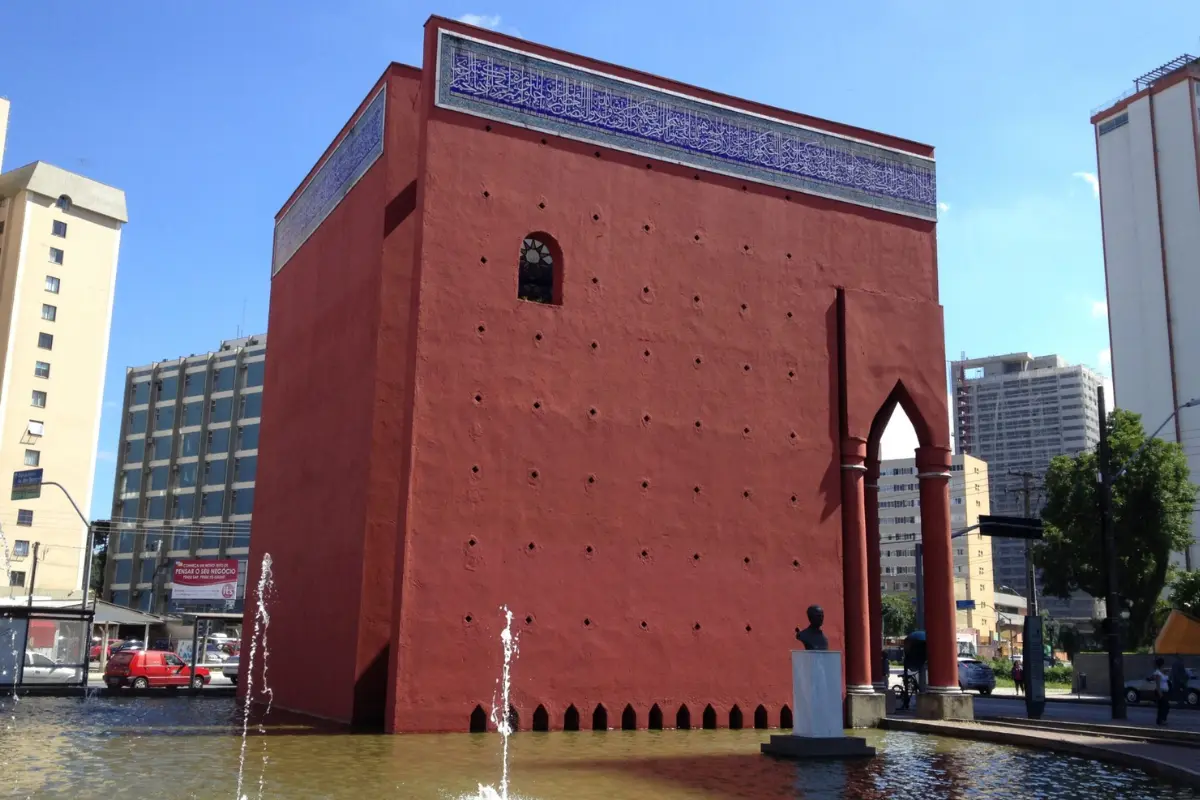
[(242, 322)]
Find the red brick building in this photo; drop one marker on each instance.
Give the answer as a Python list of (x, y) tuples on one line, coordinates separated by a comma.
[(610, 350)]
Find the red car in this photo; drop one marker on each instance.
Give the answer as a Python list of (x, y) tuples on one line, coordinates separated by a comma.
[(94, 653), (141, 669)]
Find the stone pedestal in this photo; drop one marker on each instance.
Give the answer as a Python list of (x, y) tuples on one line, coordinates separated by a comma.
[(937, 705), (865, 710), (817, 711)]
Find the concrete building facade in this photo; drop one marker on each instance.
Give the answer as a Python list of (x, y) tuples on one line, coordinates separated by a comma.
[(1148, 155), (1017, 412), (900, 532), (187, 463), (60, 234)]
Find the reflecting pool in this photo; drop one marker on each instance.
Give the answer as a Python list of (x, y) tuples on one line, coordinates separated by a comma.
[(181, 747)]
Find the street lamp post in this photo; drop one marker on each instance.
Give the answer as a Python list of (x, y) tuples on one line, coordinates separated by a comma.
[(1112, 635)]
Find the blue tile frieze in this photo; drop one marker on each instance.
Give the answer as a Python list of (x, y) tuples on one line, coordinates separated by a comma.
[(348, 162), (523, 89)]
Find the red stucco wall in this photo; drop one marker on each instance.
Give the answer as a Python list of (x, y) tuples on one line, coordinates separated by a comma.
[(573, 416), (647, 475), (330, 455)]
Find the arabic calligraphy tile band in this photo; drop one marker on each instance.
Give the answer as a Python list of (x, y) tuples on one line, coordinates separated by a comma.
[(526, 90), (349, 161)]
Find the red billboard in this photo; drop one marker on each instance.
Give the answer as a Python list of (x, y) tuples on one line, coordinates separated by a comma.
[(205, 579)]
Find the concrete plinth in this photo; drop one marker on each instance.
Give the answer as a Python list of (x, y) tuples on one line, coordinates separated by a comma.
[(864, 710), (804, 747), (931, 705)]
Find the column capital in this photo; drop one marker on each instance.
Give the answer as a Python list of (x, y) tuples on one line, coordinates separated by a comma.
[(854, 452), (933, 459)]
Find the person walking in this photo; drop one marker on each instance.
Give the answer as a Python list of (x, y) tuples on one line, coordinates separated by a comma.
[(1179, 679), (1018, 673), (1162, 691)]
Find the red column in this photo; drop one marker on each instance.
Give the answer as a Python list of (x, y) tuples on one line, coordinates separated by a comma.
[(874, 588), (933, 470), (854, 565)]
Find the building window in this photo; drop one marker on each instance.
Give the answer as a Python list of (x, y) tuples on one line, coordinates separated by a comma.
[(139, 393), (16, 578), (187, 474), (539, 272), (212, 504), (164, 418), (24, 516), (20, 548), (244, 468), (193, 414), (189, 444), (247, 438), (41, 369), (46, 341), (52, 284), (193, 384), (166, 388), (254, 373), (251, 406), (49, 312), (56, 255), (223, 379), (137, 421), (214, 471), (39, 399), (220, 409), (59, 228), (33, 458), (243, 501), (63, 202), (162, 448), (218, 440), (135, 450)]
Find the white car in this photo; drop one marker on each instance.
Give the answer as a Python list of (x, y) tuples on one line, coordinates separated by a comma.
[(1137, 690), (40, 669)]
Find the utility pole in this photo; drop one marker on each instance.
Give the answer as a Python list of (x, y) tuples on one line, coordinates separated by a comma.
[(1032, 641), (33, 573), (1112, 603), (1030, 573)]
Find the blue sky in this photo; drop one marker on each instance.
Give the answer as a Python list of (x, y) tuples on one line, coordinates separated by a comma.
[(208, 115)]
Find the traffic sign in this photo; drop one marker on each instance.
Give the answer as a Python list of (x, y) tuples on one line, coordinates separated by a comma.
[(964, 605), (27, 484), (1010, 527)]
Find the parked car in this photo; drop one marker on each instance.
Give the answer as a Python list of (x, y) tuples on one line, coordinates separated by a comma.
[(126, 644), (230, 669), (94, 651), (142, 669), (1139, 689), (40, 669), (974, 674)]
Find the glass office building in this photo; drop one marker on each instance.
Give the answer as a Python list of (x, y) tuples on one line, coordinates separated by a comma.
[(185, 473)]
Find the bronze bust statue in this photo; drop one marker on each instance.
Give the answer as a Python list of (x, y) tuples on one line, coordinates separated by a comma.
[(811, 637)]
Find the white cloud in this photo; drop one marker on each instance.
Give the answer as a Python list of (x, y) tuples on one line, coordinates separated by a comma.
[(489, 21), (111, 404), (106, 455), (1099, 309), (1105, 358), (943, 208), (1091, 179)]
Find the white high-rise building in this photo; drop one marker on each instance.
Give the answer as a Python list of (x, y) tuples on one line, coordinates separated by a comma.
[(1017, 412), (1148, 154)]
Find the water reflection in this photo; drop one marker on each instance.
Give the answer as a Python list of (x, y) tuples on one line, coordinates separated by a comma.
[(188, 747)]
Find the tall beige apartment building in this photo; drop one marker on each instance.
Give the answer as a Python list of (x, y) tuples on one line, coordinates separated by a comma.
[(900, 530), (59, 237)]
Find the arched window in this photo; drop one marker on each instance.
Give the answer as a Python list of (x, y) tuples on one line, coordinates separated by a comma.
[(63, 202), (539, 270), (541, 720), (478, 720)]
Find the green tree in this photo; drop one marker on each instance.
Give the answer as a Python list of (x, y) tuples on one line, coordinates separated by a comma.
[(1185, 592), (1069, 641), (1151, 518), (899, 615)]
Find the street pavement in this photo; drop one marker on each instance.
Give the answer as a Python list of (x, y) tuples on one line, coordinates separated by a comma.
[(1142, 714)]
